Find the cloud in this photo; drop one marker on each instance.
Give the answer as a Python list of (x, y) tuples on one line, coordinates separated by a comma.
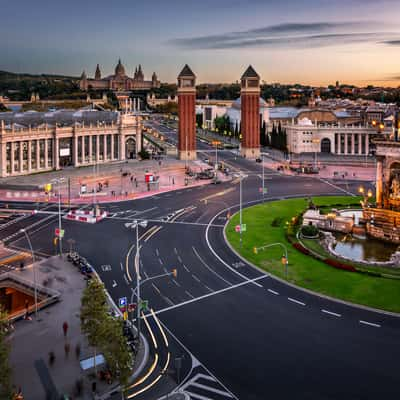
[(391, 42), (285, 35)]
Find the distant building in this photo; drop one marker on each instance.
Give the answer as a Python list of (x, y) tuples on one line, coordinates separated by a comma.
[(42, 141), (119, 81)]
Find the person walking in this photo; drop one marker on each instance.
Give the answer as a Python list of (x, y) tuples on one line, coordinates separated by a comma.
[(65, 328), (67, 348)]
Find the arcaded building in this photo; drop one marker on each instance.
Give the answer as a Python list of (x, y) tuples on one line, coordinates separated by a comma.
[(42, 141), (120, 81)]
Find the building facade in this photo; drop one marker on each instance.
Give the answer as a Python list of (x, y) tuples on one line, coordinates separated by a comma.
[(35, 142), (309, 137), (119, 81)]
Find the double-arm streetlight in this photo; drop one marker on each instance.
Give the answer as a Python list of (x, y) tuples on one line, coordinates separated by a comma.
[(34, 270), (59, 181), (284, 259), (241, 176)]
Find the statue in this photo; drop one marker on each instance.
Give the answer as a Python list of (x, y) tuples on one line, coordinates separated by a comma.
[(395, 188)]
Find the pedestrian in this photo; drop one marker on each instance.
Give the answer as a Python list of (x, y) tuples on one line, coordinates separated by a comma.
[(131, 178), (52, 358), (65, 328), (173, 180), (78, 387), (67, 348), (78, 350)]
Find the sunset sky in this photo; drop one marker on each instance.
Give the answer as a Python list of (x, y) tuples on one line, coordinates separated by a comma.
[(289, 41)]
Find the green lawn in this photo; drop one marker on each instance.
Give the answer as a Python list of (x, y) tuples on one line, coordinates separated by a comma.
[(304, 270)]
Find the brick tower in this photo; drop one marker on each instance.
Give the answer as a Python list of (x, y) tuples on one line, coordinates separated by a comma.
[(187, 114), (250, 113)]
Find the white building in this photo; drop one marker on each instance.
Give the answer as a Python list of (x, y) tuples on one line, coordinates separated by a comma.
[(234, 112)]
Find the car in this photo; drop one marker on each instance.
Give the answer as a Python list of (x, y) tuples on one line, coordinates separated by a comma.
[(258, 160), (206, 160)]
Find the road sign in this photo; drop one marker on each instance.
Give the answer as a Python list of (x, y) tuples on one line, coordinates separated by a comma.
[(244, 227), (122, 302), (261, 190), (237, 228), (59, 232), (144, 305)]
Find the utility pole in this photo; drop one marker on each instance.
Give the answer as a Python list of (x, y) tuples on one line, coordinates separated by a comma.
[(263, 184), (240, 205)]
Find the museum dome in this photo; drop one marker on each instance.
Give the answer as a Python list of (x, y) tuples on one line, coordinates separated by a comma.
[(119, 69), (238, 103)]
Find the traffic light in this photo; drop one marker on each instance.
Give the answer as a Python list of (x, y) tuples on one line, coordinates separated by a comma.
[(284, 260), (255, 250), (175, 273), (228, 215)]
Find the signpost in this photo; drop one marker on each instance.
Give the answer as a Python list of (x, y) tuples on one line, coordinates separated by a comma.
[(122, 303), (144, 305), (263, 190), (59, 232)]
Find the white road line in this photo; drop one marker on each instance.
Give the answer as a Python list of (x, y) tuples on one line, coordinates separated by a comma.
[(156, 288), (122, 267), (126, 279), (160, 261), (176, 283), (204, 296), (296, 301), (211, 389), (157, 253), (210, 269), (273, 292), (168, 301), (145, 274), (209, 289), (179, 259), (165, 270), (188, 293), (186, 268), (132, 290), (331, 313), (196, 278), (175, 251), (336, 187), (369, 324), (114, 284)]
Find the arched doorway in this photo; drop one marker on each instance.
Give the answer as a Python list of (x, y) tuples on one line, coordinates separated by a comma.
[(130, 149), (325, 145)]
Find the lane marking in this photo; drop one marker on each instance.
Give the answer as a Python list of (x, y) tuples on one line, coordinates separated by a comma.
[(209, 289), (188, 293), (157, 253), (180, 259), (168, 301), (176, 283), (175, 251), (211, 389), (208, 267), (196, 278), (296, 301), (160, 261), (126, 280), (194, 299), (159, 327), (156, 288), (369, 324), (337, 187), (273, 292), (331, 313), (186, 268), (114, 284)]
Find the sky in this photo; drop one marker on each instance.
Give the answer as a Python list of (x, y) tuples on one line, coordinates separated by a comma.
[(315, 42)]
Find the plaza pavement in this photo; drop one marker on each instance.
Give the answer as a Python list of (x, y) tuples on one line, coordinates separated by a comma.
[(120, 181), (32, 340)]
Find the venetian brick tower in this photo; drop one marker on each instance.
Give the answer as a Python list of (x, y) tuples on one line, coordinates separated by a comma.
[(187, 114), (250, 113)]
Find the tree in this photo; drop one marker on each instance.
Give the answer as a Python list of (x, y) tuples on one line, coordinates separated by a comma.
[(115, 350), (263, 141), (199, 120), (94, 313), (5, 375)]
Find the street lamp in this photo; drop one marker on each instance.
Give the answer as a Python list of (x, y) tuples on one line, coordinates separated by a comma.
[(263, 174), (59, 181), (241, 176), (34, 270), (284, 259)]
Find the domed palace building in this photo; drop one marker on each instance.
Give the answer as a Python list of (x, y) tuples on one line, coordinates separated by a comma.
[(119, 81)]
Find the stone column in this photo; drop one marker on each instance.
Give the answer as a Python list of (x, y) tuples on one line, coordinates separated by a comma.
[(56, 156), (112, 147), (29, 155), (346, 150), (122, 147), (4, 159), (83, 150), (352, 143), (75, 160), (46, 152), (21, 157), (12, 157), (379, 181), (366, 144), (97, 148), (90, 148), (37, 154), (104, 147)]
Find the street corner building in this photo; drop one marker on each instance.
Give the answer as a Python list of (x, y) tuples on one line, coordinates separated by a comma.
[(42, 141), (119, 81)]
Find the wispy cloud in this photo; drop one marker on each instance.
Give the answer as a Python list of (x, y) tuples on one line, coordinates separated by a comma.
[(288, 35), (392, 42)]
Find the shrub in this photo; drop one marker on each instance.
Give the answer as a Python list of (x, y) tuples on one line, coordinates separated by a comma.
[(339, 265), (309, 230), (301, 248), (276, 222)]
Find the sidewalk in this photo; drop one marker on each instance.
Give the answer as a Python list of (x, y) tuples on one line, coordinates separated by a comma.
[(112, 182), (32, 341)]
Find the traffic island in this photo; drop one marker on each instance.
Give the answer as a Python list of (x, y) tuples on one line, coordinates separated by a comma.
[(275, 222)]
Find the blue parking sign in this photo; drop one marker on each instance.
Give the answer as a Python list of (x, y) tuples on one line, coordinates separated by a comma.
[(122, 302)]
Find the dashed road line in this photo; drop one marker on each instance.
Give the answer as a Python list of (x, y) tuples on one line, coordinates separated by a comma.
[(296, 301), (168, 301), (186, 268), (369, 323), (156, 288), (157, 253), (175, 251), (176, 283), (196, 278), (179, 259), (189, 294), (273, 292), (208, 288), (331, 313), (160, 261)]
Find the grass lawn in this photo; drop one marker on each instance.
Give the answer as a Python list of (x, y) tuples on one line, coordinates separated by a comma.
[(305, 270)]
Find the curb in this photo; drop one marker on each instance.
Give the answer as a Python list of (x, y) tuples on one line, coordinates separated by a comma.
[(308, 291)]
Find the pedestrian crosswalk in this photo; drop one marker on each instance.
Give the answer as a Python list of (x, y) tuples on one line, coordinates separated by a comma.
[(203, 386)]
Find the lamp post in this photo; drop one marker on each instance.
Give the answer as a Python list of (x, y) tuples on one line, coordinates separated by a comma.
[(241, 176), (34, 270), (285, 259), (59, 181), (263, 175)]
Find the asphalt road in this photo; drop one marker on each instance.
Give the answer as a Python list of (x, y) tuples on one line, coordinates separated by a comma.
[(247, 335)]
